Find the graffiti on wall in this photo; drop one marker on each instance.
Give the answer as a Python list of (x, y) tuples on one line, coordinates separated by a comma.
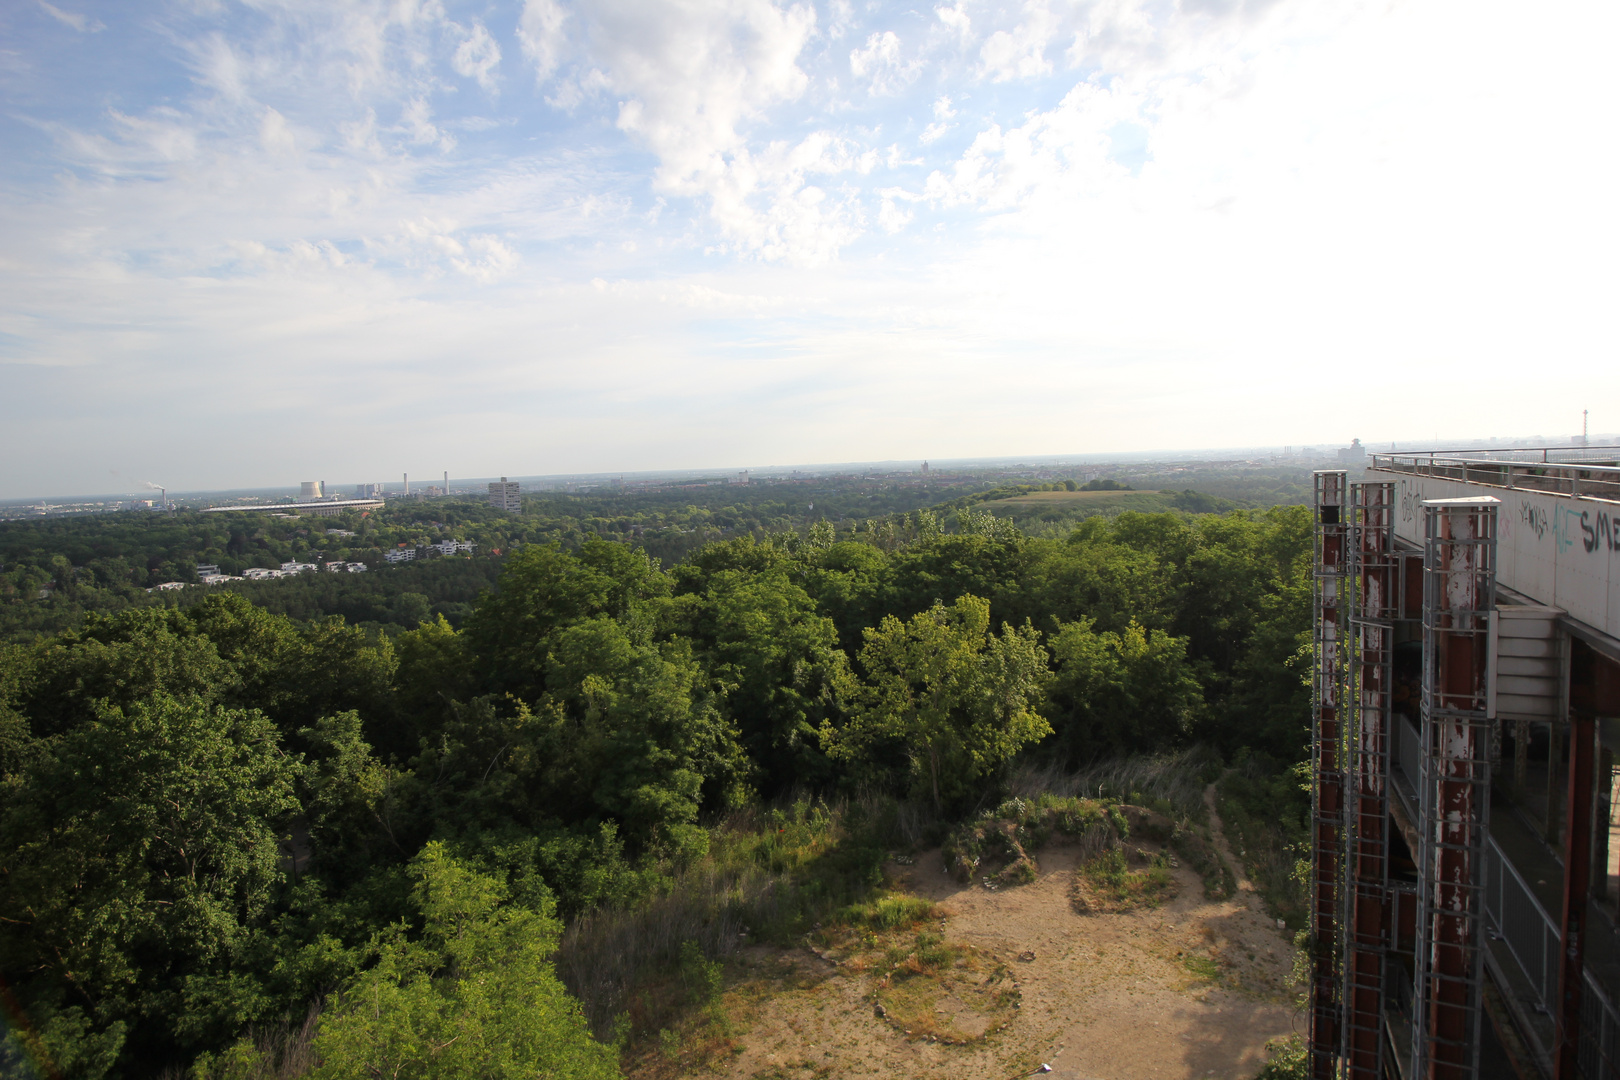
[(1533, 517), (1599, 532)]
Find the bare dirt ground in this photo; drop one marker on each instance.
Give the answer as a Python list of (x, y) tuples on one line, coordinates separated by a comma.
[(1188, 989)]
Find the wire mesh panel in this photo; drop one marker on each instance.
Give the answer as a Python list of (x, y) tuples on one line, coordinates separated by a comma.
[(1459, 585), (1327, 753), (1600, 1034), (1374, 606)]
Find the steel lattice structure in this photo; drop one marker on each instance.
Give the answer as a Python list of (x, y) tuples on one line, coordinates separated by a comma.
[(1330, 584)]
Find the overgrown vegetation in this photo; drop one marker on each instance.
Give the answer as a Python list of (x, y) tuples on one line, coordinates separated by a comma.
[(259, 845), (1265, 809)]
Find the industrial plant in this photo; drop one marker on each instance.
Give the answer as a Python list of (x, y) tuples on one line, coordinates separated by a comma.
[(1465, 864)]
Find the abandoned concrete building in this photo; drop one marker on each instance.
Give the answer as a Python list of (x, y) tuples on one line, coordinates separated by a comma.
[(1466, 767)]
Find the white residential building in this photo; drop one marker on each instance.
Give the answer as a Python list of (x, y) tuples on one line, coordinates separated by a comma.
[(453, 547), (399, 555), (506, 496)]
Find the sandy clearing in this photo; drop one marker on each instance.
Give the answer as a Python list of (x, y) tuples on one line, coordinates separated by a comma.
[(1106, 997)]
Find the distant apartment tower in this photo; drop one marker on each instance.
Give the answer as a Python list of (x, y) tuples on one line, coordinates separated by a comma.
[(368, 491), (505, 496)]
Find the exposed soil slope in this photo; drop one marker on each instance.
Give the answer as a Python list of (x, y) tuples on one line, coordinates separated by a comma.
[(1191, 988)]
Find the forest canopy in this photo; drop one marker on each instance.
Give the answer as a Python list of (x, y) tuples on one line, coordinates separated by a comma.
[(219, 818)]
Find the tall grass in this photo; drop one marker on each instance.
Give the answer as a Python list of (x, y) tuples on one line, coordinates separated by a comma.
[(1177, 780), (1264, 811), (283, 1051), (769, 876)]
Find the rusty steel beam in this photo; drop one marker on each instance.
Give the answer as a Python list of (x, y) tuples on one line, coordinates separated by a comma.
[(1459, 592), (1374, 607), (1577, 883), (1327, 809)]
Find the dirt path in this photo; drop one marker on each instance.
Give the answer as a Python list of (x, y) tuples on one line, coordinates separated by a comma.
[(1190, 989)]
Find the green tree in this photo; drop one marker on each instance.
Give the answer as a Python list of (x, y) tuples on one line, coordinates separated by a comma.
[(780, 668), (473, 995), (435, 669), (140, 850), (543, 589), (1120, 693), (633, 732), (961, 699), (118, 660)]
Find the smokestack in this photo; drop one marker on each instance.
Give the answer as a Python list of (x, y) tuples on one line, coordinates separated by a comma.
[(407, 477), (447, 481)]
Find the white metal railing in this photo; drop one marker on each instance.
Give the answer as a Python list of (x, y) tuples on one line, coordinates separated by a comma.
[(1591, 472), (1515, 916), (1523, 924)]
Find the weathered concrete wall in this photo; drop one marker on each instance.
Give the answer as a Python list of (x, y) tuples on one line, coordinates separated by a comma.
[(1556, 549)]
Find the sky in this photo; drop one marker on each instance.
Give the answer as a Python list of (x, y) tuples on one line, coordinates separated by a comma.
[(251, 243)]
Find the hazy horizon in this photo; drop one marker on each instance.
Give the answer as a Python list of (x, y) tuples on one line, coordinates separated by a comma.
[(1319, 449), (254, 242)]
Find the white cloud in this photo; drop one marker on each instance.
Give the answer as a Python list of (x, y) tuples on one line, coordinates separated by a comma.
[(956, 19), (840, 18), (274, 135), (541, 35), (942, 113), (416, 119), (1021, 52), (693, 77), (486, 260), (82, 23), (891, 216), (880, 64), (477, 57)]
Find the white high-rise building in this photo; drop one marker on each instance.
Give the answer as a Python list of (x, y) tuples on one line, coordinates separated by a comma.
[(506, 496)]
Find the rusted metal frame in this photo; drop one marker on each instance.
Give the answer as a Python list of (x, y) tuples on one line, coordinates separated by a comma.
[(1327, 757), (1374, 606), (1459, 592), (1577, 884)]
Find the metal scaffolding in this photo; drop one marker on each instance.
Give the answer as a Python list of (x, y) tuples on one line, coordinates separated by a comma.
[(1459, 583), (1327, 753), (1374, 606)]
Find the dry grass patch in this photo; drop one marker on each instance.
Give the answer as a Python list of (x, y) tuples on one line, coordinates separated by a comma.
[(942, 992), (1108, 883)]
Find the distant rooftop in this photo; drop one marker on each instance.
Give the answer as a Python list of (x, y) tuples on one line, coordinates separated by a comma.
[(329, 506)]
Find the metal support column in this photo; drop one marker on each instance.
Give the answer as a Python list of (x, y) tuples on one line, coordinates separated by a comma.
[(1327, 809), (1577, 884), (1374, 607), (1459, 585)]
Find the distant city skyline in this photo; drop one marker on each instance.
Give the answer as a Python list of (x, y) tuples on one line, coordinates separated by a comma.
[(282, 240), (1322, 454)]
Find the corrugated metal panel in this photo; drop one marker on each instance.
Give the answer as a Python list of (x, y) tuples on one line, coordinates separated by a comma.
[(1526, 664)]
